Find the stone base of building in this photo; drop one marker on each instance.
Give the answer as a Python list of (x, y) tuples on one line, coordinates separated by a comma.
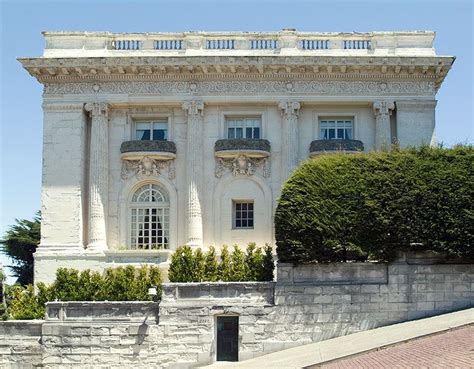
[(308, 303)]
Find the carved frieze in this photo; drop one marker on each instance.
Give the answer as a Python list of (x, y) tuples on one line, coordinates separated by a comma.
[(242, 165), (146, 167), (250, 87)]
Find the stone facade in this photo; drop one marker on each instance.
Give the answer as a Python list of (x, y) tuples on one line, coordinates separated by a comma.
[(307, 304), (99, 86)]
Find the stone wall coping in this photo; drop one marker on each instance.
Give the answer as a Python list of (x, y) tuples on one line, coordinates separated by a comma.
[(243, 284)]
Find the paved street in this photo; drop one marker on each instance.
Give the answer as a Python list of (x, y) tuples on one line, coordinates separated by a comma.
[(453, 349)]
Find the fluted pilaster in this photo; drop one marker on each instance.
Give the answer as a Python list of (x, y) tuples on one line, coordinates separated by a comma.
[(98, 177), (194, 169), (289, 111), (382, 110)]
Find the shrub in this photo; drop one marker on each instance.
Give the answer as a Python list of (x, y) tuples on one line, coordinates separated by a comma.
[(238, 269), (225, 271), (268, 265), (371, 206), (182, 265), (117, 284), (199, 266), (237, 266), (211, 266)]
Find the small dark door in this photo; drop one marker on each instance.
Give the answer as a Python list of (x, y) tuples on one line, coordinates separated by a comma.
[(227, 338)]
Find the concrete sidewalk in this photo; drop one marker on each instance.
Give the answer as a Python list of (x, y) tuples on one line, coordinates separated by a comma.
[(320, 352)]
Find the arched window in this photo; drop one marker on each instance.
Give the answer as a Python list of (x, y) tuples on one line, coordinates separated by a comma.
[(149, 215)]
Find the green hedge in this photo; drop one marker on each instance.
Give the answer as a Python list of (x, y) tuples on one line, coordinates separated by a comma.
[(116, 284), (371, 206), (256, 264)]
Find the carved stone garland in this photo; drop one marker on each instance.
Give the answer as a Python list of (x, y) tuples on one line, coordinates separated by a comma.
[(242, 165), (147, 166)]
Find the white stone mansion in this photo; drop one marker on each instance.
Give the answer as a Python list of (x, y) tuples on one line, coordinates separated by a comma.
[(156, 140)]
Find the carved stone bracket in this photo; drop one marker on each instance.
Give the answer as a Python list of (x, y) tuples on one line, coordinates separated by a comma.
[(147, 167), (242, 165), (96, 109)]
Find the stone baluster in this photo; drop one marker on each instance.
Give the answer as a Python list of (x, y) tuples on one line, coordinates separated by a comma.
[(194, 170), (98, 177), (382, 110), (289, 111)]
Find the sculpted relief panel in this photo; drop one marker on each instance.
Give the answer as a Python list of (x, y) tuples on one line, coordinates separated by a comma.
[(334, 87)]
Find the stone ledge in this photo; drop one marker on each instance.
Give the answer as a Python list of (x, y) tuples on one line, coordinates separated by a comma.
[(98, 311), (218, 292), (332, 274)]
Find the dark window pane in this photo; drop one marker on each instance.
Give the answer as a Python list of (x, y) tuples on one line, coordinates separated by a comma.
[(250, 223), (159, 134), (238, 223), (332, 134), (256, 132), (248, 132)]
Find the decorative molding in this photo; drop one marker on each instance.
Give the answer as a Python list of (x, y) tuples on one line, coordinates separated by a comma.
[(249, 87), (193, 107), (242, 165), (289, 108), (96, 109), (383, 107), (146, 167)]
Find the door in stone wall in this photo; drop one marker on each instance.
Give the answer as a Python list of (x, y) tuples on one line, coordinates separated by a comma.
[(227, 338)]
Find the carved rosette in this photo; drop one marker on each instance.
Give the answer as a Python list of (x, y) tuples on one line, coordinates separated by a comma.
[(146, 167), (382, 110), (98, 176), (289, 111), (242, 165), (194, 167)]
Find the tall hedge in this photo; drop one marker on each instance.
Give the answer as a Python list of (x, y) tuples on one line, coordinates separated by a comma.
[(370, 206)]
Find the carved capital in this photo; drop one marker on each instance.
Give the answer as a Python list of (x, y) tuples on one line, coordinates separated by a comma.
[(289, 107), (193, 107), (96, 109), (383, 107)]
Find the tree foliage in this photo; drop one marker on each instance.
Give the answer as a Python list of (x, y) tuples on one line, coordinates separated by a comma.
[(371, 206), (19, 244)]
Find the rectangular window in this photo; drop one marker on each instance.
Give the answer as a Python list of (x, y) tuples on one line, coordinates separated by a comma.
[(331, 129), (243, 127), (155, 130), (243, 214)]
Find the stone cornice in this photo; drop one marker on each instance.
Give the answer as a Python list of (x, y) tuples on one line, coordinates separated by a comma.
[(67, 70)]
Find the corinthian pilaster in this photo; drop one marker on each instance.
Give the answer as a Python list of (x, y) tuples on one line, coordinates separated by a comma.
[(98, 177), (289, 111), (382, 110), (194, 169)]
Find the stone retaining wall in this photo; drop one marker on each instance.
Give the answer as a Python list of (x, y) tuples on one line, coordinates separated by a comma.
[(308, 303)]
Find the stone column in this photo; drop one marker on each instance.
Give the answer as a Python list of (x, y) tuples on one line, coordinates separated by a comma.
[(382, 110), (98, 177), (194, 171), (289, 111)]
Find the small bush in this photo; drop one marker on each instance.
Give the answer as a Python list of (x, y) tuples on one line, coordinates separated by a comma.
[(211, 266), (371, 206), (238, 269), (182, 265), (225, 271), (117, 284), (199, 265)]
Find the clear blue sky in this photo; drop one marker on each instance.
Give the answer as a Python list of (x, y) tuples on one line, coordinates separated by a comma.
[(23, 21)]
